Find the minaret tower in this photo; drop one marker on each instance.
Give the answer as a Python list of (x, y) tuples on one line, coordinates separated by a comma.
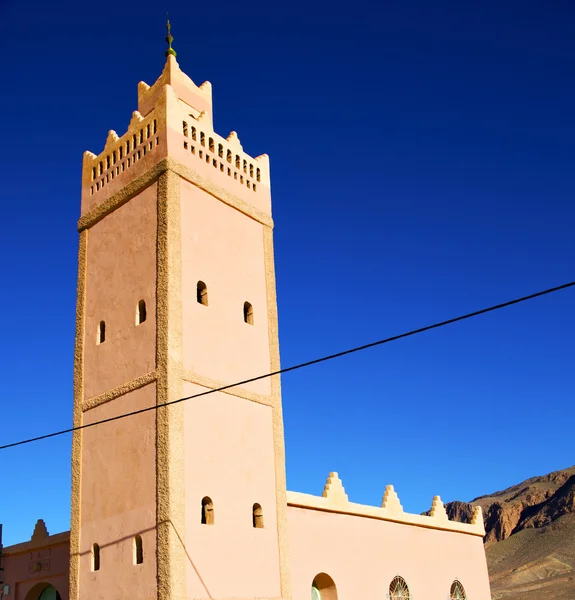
[(176, 296)]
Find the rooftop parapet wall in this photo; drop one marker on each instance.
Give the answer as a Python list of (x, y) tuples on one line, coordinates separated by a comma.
[(124, 158), (168, 126), (221, 161), (40, 538), (334, 499)]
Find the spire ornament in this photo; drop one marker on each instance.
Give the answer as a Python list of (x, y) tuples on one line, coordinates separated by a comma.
[(169, 39)]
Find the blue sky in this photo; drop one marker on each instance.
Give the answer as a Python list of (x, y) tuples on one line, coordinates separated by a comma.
[(422, 167)]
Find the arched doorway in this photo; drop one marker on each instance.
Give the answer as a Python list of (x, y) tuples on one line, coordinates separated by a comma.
[(43, 591)]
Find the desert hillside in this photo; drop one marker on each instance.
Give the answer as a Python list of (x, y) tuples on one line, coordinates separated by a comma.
[(530, 537)]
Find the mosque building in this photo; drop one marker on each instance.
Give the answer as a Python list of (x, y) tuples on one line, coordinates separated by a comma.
[(176, 297)]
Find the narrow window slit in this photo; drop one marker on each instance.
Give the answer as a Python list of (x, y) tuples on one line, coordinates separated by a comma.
[(207, 511), (257, 516), (95, 557), (202, 293), (248, 313), (138, 550), (101, 335), (141, 312)]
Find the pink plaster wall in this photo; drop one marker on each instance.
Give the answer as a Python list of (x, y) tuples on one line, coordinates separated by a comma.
[(230, 458), (363, 555), (121, 271), (118, 498), (223, 248), (21, 577)]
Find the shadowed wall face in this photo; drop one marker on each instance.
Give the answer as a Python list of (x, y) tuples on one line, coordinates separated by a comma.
[(118, 461)]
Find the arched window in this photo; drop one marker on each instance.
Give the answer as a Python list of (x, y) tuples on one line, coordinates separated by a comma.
[(138, 550), (457, 591), (211, 145), (248, 313), (95, 557), (202, 138), (258, 516), (323, 588), (207, 511), (141, 312), (202, 293), (220, 150), (398, 589), (185, 128), (101, 336)]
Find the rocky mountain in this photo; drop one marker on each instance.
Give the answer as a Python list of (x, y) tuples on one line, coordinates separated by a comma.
[(530, 537)]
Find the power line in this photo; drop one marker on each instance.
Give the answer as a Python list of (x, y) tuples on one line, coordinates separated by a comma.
[(300, 366)]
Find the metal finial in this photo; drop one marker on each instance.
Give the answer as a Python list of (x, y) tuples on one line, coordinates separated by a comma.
[(169, 39)]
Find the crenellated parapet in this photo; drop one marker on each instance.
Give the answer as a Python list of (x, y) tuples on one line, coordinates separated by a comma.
[(438, 509), (120, 155), (390, 501), (334, 499), (334, 490), (174, 120)]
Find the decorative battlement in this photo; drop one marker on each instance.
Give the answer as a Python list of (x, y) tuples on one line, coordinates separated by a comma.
[(40, 537), (226, 155), (174, 119), (334, 499), (121, 153)]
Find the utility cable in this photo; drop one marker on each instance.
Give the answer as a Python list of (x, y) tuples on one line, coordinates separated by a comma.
[(299, 366)]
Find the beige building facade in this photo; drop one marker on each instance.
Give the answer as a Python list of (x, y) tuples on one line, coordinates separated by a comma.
[(177, 298)]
